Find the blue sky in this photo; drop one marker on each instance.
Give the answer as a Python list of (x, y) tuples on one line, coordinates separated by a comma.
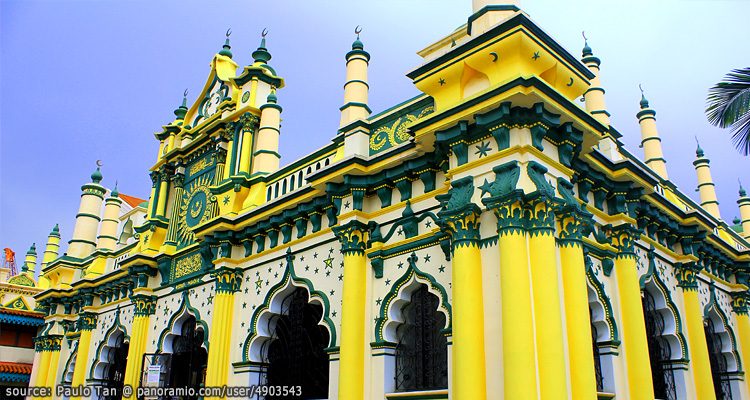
[(88, 80)]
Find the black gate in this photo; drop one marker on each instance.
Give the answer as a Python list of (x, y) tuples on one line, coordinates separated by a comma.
[(114, 373), (659, 351), (296, 355), (422, 350), (722, 386)]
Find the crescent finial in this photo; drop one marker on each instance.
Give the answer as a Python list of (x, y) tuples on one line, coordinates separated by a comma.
[(358, 30), (184, 94), (99, 163), (229, 32), (264, 32), (640, 86), (583, 33)]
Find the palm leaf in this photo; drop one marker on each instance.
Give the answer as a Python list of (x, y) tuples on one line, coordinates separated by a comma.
[(728, 106)]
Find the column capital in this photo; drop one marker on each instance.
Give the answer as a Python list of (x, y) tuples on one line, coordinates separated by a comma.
[(687, 274), (739, 302), (539, 217), (248, 121), (48, 343), (623, 238), (145, 305), (87, 321), (228, 280), (459, 216), (353, 236), (573, 226)]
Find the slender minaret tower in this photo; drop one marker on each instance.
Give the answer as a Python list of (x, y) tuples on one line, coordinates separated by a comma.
[(709, 202), (53, 247), (650, 140), (87, 220), (107, 239), (356, 87), (744, 203), (266, 153), (594, 96), (29, 263)]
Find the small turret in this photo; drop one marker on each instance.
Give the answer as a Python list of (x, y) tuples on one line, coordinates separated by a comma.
[(594, 96), (52, 249), (356, 87), (29, 263), (107, 239), (87, 220), (266, 153), (706, 188), (650, 140), (744, 204)]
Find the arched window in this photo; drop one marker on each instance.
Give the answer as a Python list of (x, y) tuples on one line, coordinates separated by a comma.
[(722, 385), (189, 358), (114, 370), (597, 356), (296, 354), (659, 350), (301, 182), (422, 350)]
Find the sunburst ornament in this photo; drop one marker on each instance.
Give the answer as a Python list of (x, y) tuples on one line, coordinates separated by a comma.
[(196, 207)]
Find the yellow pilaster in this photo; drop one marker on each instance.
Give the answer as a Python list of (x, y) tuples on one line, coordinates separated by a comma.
[(249, 122), (353, 237), (144, 307), (580, 350), (546, 294), (699, 359), (54, 364), (46, 367), (228, 282), (161, 205), (228, 166), (469, 370), (86, 323), (739, 306), (635, 345)]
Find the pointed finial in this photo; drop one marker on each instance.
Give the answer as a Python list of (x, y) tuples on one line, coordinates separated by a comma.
[(358, 45), (743, 193), (180, 111), (586, 49), (698, 150), (115, 193), (272, 96), (96, 176), (225, 50), (261, 55), (644, 102), (32, 249), (55, 230)]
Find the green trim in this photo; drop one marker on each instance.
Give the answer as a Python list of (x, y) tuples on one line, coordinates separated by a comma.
[(355, 104), (273, 153), (609, 317), (116, 326), (714, 304), (96, 217), (653, 276), (356, 80), (273, 128), (185, 308), (484, 10)]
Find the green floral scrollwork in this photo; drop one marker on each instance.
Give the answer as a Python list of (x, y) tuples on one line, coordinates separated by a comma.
[(353, 237), (145, 305), (739, 302), (687, 274), (623, 238), (87, 321), (48, 343), (539, 217), (459, 216), (537, 173), (228, 280)]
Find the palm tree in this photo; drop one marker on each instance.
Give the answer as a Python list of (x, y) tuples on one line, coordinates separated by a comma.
[(728, 106)]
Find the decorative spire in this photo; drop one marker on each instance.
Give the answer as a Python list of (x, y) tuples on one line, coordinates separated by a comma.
[(225, 51), (358, 45), (698, 151), (272, 96), (587, 52), (55, 230), (261, 55), (180, 111), (743, 193), (115, 193), (30, 259), (96, 176), (644, 102)]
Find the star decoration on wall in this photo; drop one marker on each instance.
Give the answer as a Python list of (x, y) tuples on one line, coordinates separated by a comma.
[(332, 292), (378, 301), (226, 200), (328, 263), (302, 258), (388, 282), (441, 81), (428, 224), (400, 265), (347, 204), (333, 313), (485, 188), (315, 255), (316, 270), (441, 268), (483, 149), (328, 273), (244, 305), (341, 277), (307, 267), (427, 258), (535, 56), (210, 299)]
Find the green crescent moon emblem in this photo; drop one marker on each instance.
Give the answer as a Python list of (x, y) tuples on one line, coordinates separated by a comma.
[(494, 56), (571, 82)]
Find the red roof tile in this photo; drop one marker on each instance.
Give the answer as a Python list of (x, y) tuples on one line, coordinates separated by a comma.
[(14, 311), (132, 201), (15, 368)]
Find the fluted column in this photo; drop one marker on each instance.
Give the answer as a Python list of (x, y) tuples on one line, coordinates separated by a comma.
[(86, 324), (248, 122), (178, 180), (640, 384), (144, 307), (572, 223), (460, 218), (48, 347), (699, 358), (353, 237), (228, 282), (739, 306)]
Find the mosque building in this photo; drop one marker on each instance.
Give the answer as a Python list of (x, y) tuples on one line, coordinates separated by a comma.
[(581, 271)]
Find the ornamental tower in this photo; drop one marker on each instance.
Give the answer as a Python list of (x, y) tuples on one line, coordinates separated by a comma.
[(52, 249), (744, 203), (107, 239), (706, 185), (356, 87), (650, 140), (266, 156), (87, 220), (594, 96), (29, 264)]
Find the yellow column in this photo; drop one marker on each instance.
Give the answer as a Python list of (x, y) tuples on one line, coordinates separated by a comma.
[(228, 282), (228, 136), (248, 122), (54, 363), (739, 306), (353, 238), (144, 308), (699, 359), (47, 363), (356, 87), (635, 345), (152, 197), (86, 323), (468, 369), (161, 205), (580, 350), (546, 294)]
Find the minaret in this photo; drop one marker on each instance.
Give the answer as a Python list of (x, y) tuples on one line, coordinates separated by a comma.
[(87, 220), (744, 203), (29, 263), (107, 239), (356, 87), (53, 247), (594, 96), (650, 140), (266, 153), (706, 188)]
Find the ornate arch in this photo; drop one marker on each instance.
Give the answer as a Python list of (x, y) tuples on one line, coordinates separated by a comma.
[(713, 311), (673, 331), (70, 364), (102, 352), (603, 317), (174, 325), (252, 349), (389, 317)]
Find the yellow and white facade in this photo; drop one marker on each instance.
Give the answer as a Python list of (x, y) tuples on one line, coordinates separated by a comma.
[(557, 264)]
